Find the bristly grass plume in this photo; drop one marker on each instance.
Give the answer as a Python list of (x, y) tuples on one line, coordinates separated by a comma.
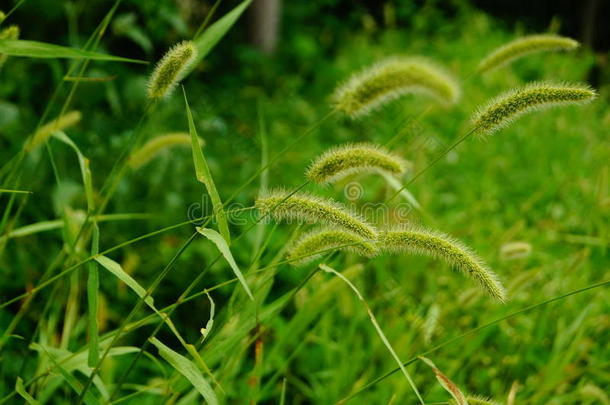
[(171, 69), (524, 46), (391, 79), (502, 110), (156, 145), (415, 240), (58, 124), (304, 207), (342, 161), (323, 240)]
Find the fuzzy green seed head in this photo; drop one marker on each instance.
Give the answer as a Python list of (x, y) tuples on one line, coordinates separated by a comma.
[(475, 400), (11, 32), (342, 161), (2, 16), (43, 133), (524, 46), (304, 250), (414, 240), (391, 79), (502, 110), (158, 144), (303, 207), (171, 69)]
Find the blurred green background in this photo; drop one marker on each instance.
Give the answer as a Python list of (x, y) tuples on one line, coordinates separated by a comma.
[(544, 181)]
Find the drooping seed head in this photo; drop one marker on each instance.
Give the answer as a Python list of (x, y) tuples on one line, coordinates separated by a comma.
[(157, 145), (342, 161), (10, 32), (415, 240), (314, 244), (58, 124), (476, 400), (515, 250), (303, 207), (391, 79), (524, 46), (171, 69), (502, 110)]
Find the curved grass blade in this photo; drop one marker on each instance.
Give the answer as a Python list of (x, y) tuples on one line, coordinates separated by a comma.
[(24, 394), (188, 369), (118, 272), (35, 49), (210, 37), (223, 247), (446, 383), (203, 174)]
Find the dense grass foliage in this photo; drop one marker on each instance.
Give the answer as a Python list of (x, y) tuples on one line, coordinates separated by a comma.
[(102, 193)]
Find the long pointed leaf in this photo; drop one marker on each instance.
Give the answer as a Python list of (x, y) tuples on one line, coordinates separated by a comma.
[(35, 49), (118, 271), (223, 247), (202, 171), (188, 369)]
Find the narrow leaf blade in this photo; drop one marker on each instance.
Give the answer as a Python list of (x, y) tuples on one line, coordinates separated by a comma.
[(223, 247), (186, 367), (35, 49), (202, 171), (118, 272)]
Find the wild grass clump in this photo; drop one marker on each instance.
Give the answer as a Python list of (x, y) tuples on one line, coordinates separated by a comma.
[(342, 161), (524, 46), (171, 69), (504, 109), (414, 240), (391, 79), (306, 248), (303, 207)]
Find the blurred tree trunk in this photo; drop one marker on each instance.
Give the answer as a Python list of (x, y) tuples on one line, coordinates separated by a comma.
[(264, 21)]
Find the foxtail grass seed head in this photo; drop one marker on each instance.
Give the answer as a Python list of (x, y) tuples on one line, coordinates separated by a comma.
[(475, 400), (342, 161), (515, 250), (502, 110), (435, 244), (524, 46), (391, 79), (304, 249), (10, 32), (59, 124), (171, 69), (158, 144), (303, 207)]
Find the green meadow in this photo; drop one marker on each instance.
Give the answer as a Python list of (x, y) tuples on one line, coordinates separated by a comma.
[(141, 263)]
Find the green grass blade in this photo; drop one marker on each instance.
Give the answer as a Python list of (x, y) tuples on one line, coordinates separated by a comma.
[(35, 49), (211, 36), (3, 190), (188, 369), (93, 286), (24, 394), (223, 247), (202, 171), (446, 383), (118, 272)]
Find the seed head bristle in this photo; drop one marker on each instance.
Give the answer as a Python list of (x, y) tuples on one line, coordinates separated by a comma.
[(342, 161), (171, 69), (303, 207), (476, 400), (502, 110), (323, 240), (415, 240), (390, 79), (525, 46)]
